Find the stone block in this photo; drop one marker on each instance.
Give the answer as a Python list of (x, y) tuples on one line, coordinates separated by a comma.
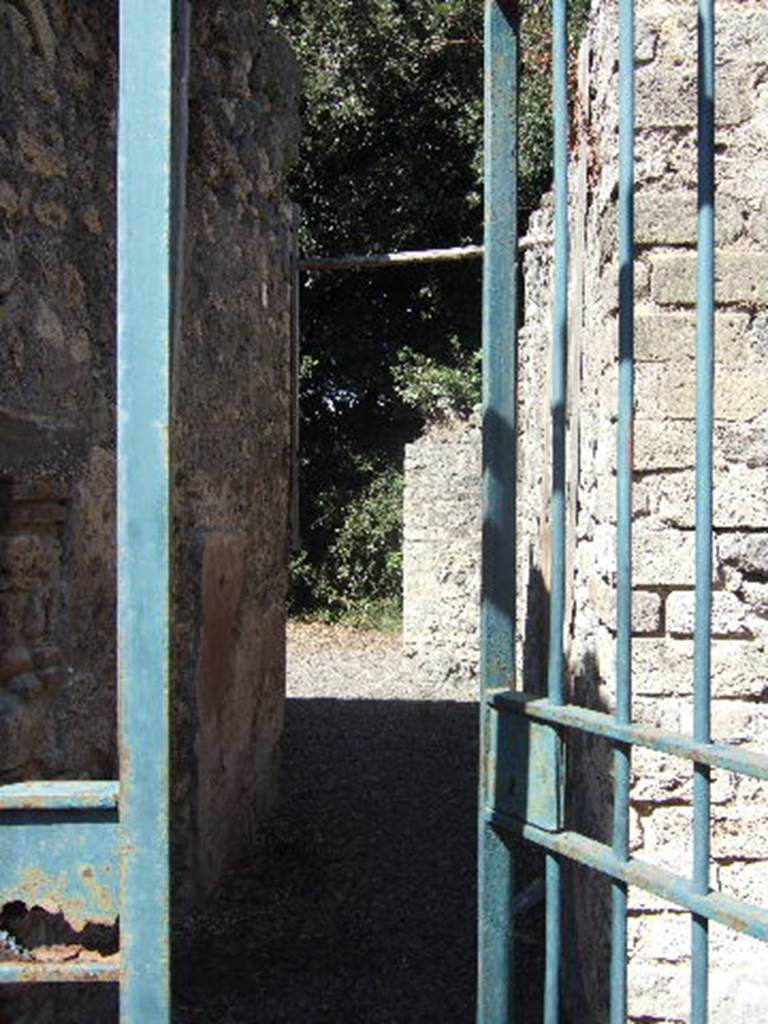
[(658, 991), (747, 552), (741, 444), (744, 880), (667, 836), (642, 280), (757, 224), (665, 217), (739, 497), (646, 607), (741, 35), (730, 614), (738, 831), (663, 779), (669, 218), (740, 669), (663, 936), (664, 667), (666, 98), (738, 987), (668, 391), (662, 557), (756, 599), (662, 445), (742, 722), (740, 279), (671, 337), (646, 41), (660, 712)]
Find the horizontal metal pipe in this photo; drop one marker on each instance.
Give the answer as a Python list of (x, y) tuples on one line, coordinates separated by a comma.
[(59, 795), (79, 971), (388, 259), (715, 906), (719, 755)]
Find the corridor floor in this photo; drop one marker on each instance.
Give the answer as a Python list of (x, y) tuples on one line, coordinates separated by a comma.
[(359, 903)]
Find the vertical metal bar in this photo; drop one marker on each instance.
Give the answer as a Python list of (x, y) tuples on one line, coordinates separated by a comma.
[(705, 366), (145, 327), (623, 712), (556, 667), (500, 322)]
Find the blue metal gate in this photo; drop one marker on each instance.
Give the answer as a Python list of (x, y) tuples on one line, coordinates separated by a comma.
[(102, 846), (523, 772), (98, 850)]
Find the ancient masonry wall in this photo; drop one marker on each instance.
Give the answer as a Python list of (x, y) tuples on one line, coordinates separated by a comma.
[(231, 414), (441, 580), (664, 491)]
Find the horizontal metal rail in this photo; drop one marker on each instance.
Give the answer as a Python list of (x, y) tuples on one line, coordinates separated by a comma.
[(71, 971), (388, 259), (718, 755), (60, 795), (742, 916)]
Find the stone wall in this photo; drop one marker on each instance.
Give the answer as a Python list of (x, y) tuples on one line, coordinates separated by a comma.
[(441, 581), (664, 488), (232, 412), (231, 415)]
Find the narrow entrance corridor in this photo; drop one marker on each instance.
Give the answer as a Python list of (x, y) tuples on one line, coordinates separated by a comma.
[(359, 905)]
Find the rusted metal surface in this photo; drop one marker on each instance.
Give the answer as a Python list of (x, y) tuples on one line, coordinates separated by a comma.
[(106, 969), (62, 861), (63, 851), (59, 796)]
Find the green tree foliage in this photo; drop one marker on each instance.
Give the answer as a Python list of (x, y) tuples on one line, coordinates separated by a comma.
[(391, 159), (436, 390), (360, 576)]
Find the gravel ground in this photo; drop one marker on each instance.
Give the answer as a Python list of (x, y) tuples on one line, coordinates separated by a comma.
[(360, 904)]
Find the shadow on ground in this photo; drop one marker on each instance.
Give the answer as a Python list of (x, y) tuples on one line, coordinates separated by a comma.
[(361, 905)]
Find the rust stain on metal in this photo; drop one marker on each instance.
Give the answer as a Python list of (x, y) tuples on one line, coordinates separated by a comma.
[(100, 894), (50, 892), (73, 969)]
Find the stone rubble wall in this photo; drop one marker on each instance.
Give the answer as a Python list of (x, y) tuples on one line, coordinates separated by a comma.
[(441, 582), (663, 545), (231, 416)]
